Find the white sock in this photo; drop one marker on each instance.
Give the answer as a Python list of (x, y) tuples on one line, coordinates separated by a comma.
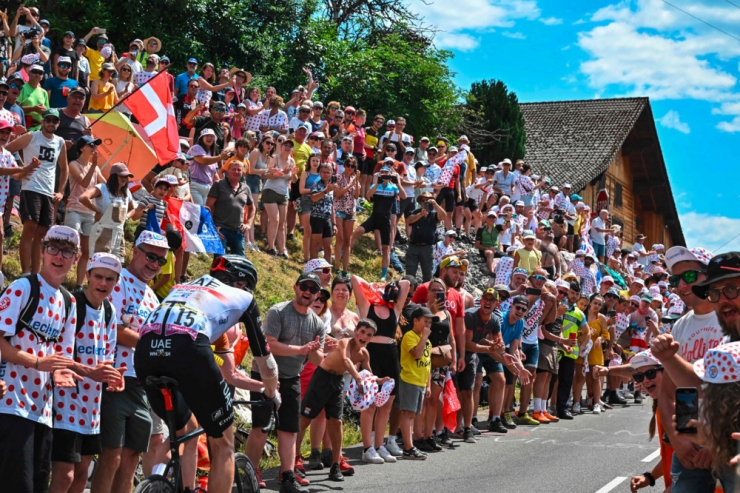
[(537, 404), (391, 438)]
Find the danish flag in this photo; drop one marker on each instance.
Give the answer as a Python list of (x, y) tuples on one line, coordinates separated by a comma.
[(152, 106)]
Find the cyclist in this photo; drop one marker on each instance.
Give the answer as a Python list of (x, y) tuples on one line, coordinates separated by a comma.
[(176, 342)]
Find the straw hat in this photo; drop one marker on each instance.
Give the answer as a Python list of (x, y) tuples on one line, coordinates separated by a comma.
[(248, 76), (152, 38)]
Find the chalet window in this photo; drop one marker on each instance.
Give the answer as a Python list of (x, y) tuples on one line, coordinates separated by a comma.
[(618, 195)]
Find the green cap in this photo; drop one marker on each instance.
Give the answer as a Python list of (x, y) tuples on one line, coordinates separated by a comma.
[(51, 112)]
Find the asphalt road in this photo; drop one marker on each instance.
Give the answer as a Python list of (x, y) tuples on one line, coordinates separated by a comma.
[(593, 453)]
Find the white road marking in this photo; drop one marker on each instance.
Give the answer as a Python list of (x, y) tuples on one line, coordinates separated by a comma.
[(652, 456), (613, 484)]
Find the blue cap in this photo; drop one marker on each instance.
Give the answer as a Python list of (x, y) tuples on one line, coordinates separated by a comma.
[(304, 125), (575, 196), (44, 21), (164, 59), (385, 168), (410, 150), (192, 60)]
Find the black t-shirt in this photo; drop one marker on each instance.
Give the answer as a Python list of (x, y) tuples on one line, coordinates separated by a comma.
[(202, 122), (555, 329), (74, 56), (440, 332), (71, 129), (424, 230), (479, 329), (181, 108)]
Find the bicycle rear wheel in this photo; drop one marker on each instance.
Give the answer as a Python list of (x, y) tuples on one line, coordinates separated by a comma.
[(245, 476), (155, 484)]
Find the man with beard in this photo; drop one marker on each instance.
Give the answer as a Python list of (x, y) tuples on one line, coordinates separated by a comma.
[(692, 335)]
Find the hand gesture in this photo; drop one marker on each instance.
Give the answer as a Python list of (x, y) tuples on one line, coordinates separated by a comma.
[(35, 163), (3, 385), (54, 362), (599, 371), (426, 331), (66, 378), (120, 384), (638, 482), (664, 347), (4, 15), (104, 372), (330, 344), (525, 376)]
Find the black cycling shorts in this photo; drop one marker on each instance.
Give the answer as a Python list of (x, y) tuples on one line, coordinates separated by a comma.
[(446, 195), (321, 226), (471, 205), (202, 389), (289, 410), (368, 167), (324, 392), (380, 223)]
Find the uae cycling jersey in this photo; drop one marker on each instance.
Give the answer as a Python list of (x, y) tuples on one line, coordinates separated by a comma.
[(78, 409), (29, 392), (209, 307), (131, 297), (383, 198)]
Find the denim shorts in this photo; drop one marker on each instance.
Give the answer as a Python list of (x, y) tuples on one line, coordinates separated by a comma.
[(531, 353), (345, 216), (79, 221), (254, 182), (528, 200)]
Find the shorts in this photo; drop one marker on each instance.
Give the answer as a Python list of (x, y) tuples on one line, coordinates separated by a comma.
[(410, 397), (345, 216), (548, 359), (471, 205), (528, 200), (159, 427), (571, 229), (599, 250), (491, 365), (394, 208), (70, 446), (381, 224), (202, 390), (294, 192), (368, 166), (385, 362), (466, 378), (324, 392), (25, 454), (124, 418), (531, 353), (306, 204), (270, 196), (37, 207), (407, 206), (321, 226), (254, 182), (289, 412), (446, 195), (550, 272), (79, 221)]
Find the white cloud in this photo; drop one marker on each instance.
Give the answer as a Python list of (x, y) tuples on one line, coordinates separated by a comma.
[(513, 35), (711, 231), (462, 42), (673, 120), (551, 21)]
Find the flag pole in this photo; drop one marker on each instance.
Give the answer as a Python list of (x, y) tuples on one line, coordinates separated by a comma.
[(121, 101)]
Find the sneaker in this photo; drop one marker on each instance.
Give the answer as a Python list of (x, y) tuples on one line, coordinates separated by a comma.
[(299, 464), (468, 436), (507, 421), (475, 430), (423, 445), (565, 415), (260, 481), (626, 394), (372, 457), (271, 251), (433, 443), (392, 447), (314, 461), (335, 474), (577, 408), (284, 255), (444, 438), (414, 454), (638, 400), (396, 264), (527, 420), (540, 416), (301, 479), (474, 422), (290, 484), (551, 417), (604, 406), (344, 467), (615, 399), (382, 279), (597, 409), (457, 434), (256, 247), (497, 426), (326, 457), (385, 455), (290, 237)]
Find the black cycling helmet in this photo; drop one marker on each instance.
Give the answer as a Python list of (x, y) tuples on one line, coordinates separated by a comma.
[(232, 268)]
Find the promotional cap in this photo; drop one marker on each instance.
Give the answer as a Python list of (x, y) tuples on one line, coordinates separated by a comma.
[(151, 238), (105, 261), (63, 233)]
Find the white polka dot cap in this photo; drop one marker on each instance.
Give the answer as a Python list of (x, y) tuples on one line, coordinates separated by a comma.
[(720, 364), (63, 233), (105, 261), (153, 239)]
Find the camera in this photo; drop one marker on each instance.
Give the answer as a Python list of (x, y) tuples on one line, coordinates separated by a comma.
[(333, 179), (428, 206), (394, 179)]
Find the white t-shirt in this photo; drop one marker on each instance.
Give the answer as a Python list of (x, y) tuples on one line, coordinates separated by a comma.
[(476, 193), (639, 247), (410, 176), (131, 297), (105, 199), (6, 161), (47, 151), (79, 409), (696, 334), (30, 392), (596, 236), (531, 323)]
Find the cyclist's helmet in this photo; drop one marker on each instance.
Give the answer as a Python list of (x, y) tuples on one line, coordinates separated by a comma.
[(233, 268)]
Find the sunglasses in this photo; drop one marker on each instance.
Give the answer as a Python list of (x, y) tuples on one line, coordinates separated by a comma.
[(379, 120), (350, 166), (67, 253), (730, 291), (150, 257), (323, 299), (334, 107), (310, 287), (125, 70), (649, 374), (269, 143), (688, 277), (3, 93), (324, 270), (612, 296), (164, 63), (51, 120), (36, 72), (16, 86), (349, 112), (192, 64), (313, 137), (193, 86), (64, 65), (636, 305), (218, 108), (562, 293), (538, 277), (520, 308)]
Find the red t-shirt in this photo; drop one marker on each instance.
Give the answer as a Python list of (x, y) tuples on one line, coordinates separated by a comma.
[(453, 303)]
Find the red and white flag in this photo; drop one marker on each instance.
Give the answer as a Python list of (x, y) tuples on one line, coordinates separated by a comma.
[(152, 106)]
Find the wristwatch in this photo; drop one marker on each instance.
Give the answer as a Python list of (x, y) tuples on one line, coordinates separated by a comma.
[(649, 478)]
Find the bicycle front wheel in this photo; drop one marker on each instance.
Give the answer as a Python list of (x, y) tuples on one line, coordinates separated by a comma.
[(155, 484), (245, 476)]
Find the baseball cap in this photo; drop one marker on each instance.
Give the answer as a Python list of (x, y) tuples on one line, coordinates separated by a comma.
[(168, 179), (63, 233), (121, 170), (607, 279), (566, 185), (575, 196), (518, 271), (36, 68), (304, 126), (151, 238), (315, 264), (409, 150), (451, 232), (528, 235), (78, 89), (390, 122), (51, 112), (310, 277), (641, 236), (423, 311), (207, 131), (491, 292), (44, 21), (637, 280), (69, 33), (87, 140), (64, 59), (678, 254), (647, 297), (192, 60), (506, 161), (105, 261), (5, 124), (519, 203), (452, 262), (511, 248), (643, 359)]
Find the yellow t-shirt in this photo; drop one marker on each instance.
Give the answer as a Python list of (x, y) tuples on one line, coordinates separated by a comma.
[(168, 268), (96, 61), (415, 371), (529, 260), (301, 153)]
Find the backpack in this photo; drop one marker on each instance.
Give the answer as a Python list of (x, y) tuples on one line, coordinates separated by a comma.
[(24, 321), (82, 315)]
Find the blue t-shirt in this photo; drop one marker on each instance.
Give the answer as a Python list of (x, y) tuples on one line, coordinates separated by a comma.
[(384, 197), (17, 110), (182, 80), (510, 332), (55, 85)]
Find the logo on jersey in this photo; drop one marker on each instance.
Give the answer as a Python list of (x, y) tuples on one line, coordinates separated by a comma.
[(4, 303)]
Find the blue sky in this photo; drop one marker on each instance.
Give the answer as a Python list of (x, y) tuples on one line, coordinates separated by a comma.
[(548, 50)]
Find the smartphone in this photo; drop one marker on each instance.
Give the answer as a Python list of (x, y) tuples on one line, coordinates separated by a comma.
[(428, 206), (102, 31), (611, 314), (333, 179), (441, 297), (687, 408), (533, 291)]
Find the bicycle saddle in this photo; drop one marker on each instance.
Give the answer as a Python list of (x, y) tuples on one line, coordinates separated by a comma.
[(162, 382)]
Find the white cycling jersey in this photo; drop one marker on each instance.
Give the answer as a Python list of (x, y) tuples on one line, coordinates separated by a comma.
[(29, 392), (131, 297), (78, 409)]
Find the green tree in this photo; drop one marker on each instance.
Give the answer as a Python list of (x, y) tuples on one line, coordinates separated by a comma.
[(493, 117)]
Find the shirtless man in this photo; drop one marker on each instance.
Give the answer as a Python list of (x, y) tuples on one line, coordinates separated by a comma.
[(550, 256), (326, 386)]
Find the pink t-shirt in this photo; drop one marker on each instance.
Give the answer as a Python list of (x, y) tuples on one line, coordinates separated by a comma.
[(76, 188)]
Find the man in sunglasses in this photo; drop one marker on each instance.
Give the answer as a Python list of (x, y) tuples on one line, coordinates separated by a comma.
[(321, 268), (692, 335), (58, 87), (182, 80), (33, 99), (512, 327)]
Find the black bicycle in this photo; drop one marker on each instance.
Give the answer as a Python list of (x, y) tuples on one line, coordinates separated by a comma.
[(245, 475)]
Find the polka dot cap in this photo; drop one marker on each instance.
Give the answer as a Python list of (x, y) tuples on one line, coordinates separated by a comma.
[(720, 364)]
